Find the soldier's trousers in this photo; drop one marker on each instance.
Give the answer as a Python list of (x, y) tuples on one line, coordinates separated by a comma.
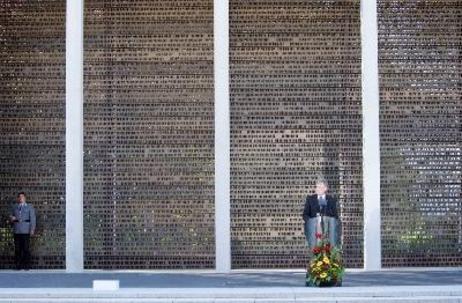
[(21, 251)]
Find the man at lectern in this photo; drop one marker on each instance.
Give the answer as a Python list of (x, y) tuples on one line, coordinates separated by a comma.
[(319, 204)]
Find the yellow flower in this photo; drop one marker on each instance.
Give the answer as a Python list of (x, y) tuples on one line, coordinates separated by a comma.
[(319, 263), (323, 275), (326, 260)]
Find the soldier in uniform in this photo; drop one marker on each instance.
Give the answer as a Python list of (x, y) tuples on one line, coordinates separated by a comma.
[(22, 218)]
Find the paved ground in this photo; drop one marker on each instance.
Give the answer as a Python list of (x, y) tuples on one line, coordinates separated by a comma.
[(38, 279)]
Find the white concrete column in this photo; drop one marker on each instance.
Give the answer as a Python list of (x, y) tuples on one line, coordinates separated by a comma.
[(371, 135), (222, 137), (74, 135)]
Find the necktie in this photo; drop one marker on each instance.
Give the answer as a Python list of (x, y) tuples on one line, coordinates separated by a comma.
[(322, 203)]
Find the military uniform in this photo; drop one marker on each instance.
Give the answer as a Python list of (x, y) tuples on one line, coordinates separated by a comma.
[(23, 226)]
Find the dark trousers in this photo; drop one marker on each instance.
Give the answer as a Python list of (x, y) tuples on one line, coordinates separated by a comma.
[(21, 251)]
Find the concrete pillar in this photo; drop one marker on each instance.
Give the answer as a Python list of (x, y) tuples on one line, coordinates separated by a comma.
[(74, 136), (222, 137), (371, 135)]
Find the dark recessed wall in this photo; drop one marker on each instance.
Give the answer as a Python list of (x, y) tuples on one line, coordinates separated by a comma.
[(295, 115), (32, 128), (149, 138), (420, 45)]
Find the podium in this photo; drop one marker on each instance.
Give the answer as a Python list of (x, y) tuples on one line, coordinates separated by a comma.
[(328, 226)]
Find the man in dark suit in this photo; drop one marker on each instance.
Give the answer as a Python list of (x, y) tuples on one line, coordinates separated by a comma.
[(22, 218), (319, 204)]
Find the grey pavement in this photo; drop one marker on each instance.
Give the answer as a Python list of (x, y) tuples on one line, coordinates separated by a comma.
[(40, 279)]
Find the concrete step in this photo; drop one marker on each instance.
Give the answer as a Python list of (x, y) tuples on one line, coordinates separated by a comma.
[(387, 294)]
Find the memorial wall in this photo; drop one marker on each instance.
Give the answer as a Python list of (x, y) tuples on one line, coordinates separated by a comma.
[(149, 137), (420, 45), (32, 126), (295, 85), (295, 115)]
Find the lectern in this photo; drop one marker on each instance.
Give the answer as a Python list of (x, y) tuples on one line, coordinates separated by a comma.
[(330, 227)]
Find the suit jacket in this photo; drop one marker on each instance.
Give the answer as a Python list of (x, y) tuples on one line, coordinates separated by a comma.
[(25, 216), (312, 207)]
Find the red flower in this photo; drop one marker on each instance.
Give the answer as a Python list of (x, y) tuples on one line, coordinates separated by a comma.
[(327, 247), (318, 235), (316, 250)]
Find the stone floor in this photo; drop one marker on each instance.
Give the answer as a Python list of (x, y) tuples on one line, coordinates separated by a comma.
[(60, 279)]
